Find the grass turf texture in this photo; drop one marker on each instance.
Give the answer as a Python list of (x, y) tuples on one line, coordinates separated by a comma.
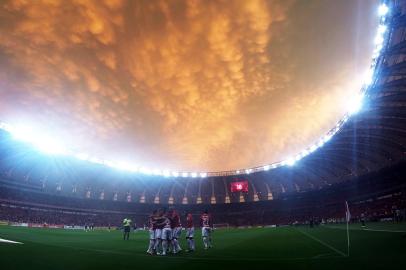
[(281, 248)]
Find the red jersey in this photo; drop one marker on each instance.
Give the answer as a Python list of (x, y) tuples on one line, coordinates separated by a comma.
[(151, 222), (189, 221), (175, 220), (205, 220), (167, 222), (160, 222)]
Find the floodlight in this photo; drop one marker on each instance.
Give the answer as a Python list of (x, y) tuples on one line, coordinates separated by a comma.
[(383, 10), (290, 162), (355, 104)]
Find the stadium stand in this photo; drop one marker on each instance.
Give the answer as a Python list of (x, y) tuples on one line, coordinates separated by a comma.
[(363, 163)]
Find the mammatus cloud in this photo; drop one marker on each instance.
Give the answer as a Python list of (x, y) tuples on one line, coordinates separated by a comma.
[(193, 85)]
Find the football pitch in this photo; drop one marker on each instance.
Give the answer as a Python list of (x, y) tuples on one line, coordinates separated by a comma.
[(380, 246)]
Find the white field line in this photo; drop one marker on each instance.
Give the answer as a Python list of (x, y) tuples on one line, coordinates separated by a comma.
[(323, 243), (9, 241), (371, 230)]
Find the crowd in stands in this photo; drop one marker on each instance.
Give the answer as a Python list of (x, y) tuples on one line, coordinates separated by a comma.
[(378, 196), (386, 207)]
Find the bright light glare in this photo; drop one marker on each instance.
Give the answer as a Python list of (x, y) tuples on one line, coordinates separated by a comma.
[(368, 76), (82, 156), (96, 160), (157, 172), (290, 161), (266, 167), (355, 104), (313, 148), (42, 142), (379, 40), (125, 166), (382, 29), (145, 170), (304, 153), (49, 146), (6, 127), (327, 138), (383, 10)]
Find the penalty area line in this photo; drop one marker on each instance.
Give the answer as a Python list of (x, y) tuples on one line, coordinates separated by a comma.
[(9, 241), (323, 243)]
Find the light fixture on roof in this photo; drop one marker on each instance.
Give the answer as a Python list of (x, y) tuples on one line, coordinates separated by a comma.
[(313, 148), (145, 171), (82, 156), (96, 160), (383, 9), (42, 142), (157, 172), (327, 138), (368, 77), (382, 29), (290, 162), (355, 104)]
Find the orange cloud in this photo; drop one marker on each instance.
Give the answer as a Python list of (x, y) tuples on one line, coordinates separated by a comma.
[(194, 85)]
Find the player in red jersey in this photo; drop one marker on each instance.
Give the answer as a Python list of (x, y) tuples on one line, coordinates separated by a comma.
[(207, 226), (176, 231), (159, 225), (166, 232), (190, 231), (152, 227)]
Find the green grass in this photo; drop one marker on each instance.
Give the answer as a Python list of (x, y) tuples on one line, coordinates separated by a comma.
[(271, 248)]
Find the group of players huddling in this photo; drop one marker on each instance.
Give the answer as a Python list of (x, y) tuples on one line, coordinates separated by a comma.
[(165, 230)]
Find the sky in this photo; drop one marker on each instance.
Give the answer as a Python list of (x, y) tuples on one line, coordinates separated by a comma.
[(196, 85)]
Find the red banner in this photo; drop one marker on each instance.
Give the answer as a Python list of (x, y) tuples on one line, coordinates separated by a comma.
[(240, 186)]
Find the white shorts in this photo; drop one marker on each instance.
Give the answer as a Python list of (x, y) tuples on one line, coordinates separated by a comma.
[(206, 231), (190, 232), (158, 233), (176, 232), (151, 235), (166, 234)]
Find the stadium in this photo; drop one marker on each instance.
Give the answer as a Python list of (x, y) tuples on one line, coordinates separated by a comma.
[(337, 203)]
